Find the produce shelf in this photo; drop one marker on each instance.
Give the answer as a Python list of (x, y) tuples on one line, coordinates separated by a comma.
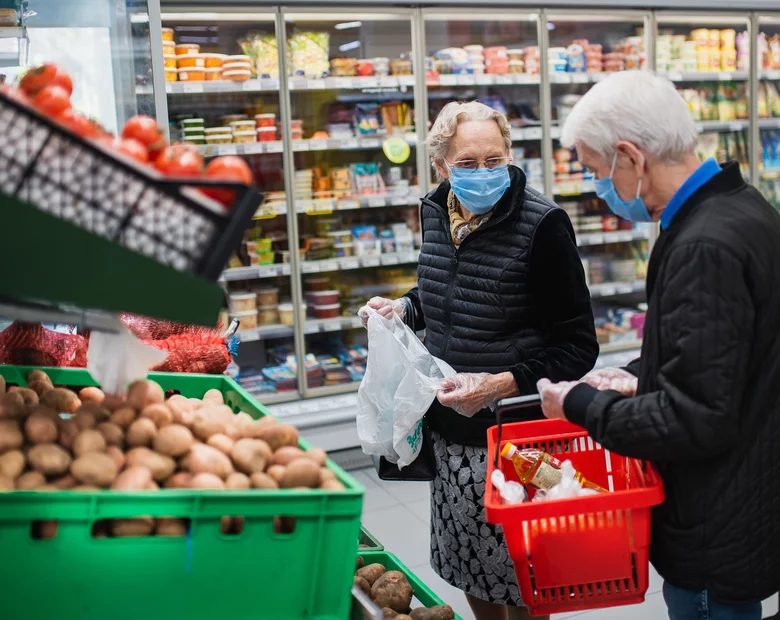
[(620, 236), (311, 326), (706, 76)]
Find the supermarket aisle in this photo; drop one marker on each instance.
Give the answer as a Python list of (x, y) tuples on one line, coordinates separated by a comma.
[(398, 513)]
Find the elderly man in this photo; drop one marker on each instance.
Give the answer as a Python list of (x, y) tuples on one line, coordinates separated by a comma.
[(706, 410)]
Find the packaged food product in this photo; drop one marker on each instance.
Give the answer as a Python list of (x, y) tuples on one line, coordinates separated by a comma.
[(401, 67), (244, 125), (236, 76), (263, 52), (287, 314), (341, 236), (237, 66), (243, 301), (187, 61), (265, 120), (309, 54), (344, 250), (219, 139), (197, 140), (215, 131), (167, 34), (266, 134), (343, 67), (214, 61), (247, 320), (238, 58), (709, 103), (169, 48), (268, 297), (192, 75), (316, 284), (171, 75), (213, 74), (268, 315), (540, 470), (192, 123), (727, 101), (241, 137), (187, 48), (169, 61), (323, 298), (330, 311), (232, 118), (365, 67)]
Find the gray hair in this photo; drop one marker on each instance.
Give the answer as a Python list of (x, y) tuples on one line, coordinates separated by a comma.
[(635, 106), (451, 116)]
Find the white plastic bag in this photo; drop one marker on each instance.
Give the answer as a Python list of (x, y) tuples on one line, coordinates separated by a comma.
[(568, 486), (400, 383)]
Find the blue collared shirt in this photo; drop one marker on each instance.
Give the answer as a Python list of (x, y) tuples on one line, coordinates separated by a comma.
[(702, 174)]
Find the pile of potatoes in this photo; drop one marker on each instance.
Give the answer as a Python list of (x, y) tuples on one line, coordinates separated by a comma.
[(54, 439), (391, 590)]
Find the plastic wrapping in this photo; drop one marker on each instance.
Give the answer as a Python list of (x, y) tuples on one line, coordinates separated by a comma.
[(612, 379), (384, 307), (401, 381), (468, 393), (23, 344), (568, 486), (511, 492)]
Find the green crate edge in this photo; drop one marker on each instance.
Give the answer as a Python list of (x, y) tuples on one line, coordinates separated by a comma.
[(368, 539), (421, 591)]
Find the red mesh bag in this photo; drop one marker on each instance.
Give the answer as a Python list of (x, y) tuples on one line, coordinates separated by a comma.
[(23, 344)]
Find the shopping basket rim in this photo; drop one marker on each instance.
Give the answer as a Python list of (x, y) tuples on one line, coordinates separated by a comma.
[(650, 494)]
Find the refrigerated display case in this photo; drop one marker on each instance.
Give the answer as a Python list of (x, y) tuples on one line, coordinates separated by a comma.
[(768, 107)]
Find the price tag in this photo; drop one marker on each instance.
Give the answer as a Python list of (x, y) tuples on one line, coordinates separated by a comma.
[(595, 239), (333, 325), (321, 206), (725, 76), (555, 132), (346, 204), (257, 147), (607, 291), (300, 145), (342, 83), (315, 84), (329, 265), (377, 201), (504, 79), (485, 79), (370, 82), (772, 75), (533, 133), (193, 87), (625, 237), (406, 80), (352, 324), (625, 289), (350, 263), (371, 261), (674, 76), (448, 80), (277, 146), (736, 126), (569, 188), (304, 206), (466, 80), (400, 201), (391, 259), (240, 149), (579, 78), (558, 77), (318, 145), (388, 82), (311, 327), (352, 143), (310, 267), (267, 84), (265, 212), (370, 143), (611, 237), (251, 85), (267, 271), (285, 270)]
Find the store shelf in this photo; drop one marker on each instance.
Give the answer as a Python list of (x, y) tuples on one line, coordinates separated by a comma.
[(360, 262), (276, 398), (613, 289), (277, 146), (574, 188), (511, 79), (256, 272), (741, 125), (311, 326), (620, 236), (769, 123), (770, 75), (272, 85), (619, 347), (519, 134), (195, 88), (706, 76), (328, 205)]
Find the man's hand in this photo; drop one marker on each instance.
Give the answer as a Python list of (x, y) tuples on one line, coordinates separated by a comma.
[(612, 379), (553, 395)]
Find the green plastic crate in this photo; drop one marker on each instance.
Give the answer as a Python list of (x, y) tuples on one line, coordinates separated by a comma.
[(255, 575), (367, 542), (425, 597)]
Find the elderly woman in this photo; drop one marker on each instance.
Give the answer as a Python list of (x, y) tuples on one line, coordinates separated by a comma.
[(502, 297)]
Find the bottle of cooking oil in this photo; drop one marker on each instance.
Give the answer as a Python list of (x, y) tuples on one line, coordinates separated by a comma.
[(541, 470)]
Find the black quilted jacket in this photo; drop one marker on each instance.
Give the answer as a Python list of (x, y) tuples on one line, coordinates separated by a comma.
[(707, 411), (511, 298)]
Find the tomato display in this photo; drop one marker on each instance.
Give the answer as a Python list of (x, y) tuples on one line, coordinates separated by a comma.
[(145, 130), (52, 100), (180, 160), (38, 78), (80, 124), (227, 168)]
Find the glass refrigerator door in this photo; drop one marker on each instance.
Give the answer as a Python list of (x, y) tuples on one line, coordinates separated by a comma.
[(494, 59), (104, 46), (584, 49), (768, 151), (222, 83), (355, 185), (707, 57)]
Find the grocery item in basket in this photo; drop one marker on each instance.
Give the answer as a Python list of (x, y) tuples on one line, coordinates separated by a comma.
[(511, 492), (568, 487), (539, 469)]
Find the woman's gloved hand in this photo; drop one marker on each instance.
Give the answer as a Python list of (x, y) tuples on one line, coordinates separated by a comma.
[(553, 395), (467, 393), (384, 308), (612, 379)]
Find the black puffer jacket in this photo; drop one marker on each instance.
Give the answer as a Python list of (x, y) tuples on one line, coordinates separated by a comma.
[(707, 411), (512, 298)]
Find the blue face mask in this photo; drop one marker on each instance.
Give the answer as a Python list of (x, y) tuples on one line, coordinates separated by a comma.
[(479, 190), (632, 210)]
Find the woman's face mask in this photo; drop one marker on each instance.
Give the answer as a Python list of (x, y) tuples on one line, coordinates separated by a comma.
[(479, 189)]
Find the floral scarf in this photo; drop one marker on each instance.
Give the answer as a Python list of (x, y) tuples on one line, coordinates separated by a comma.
[(459, 227)]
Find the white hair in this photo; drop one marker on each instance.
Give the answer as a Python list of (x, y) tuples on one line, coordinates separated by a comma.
[(635, 106), (454, 113)]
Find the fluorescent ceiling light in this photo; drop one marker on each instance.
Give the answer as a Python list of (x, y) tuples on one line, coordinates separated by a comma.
[(349, 46), (345, 25), (139, 18)]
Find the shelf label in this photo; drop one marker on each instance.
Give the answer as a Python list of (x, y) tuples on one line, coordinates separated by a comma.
[(332, 325), (315, 84), (269, 271), (321, 206), (265, 212), (612, 237), (391, 259), (625, 289), (533, 133), (594, 239), (352, 323), (369, 82), (349, 263), (349, 144), (772, 75), (579, 78), (400, 201), (329, 265), (268, 84), (466, 80), (569, 188), (251, 85), (348, 203), (300, 145), (309, 267), (304, 206), (187, 87), (388, 82), (277, 146), (674, 76), (447, 80), (370, 143), (736, 126), (725, 76), (607, 291), (504, 79), (371, 261), (311, 328), (377, 201), (406, 80), (318, 145), (342, 83), (558, 77)]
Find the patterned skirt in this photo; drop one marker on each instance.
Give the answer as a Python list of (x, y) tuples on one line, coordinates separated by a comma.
[(467, 552)]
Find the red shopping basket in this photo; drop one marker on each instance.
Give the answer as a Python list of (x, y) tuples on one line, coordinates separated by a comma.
[(580, 553)]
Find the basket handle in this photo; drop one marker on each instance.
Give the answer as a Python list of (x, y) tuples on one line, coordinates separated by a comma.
[(511, 404)]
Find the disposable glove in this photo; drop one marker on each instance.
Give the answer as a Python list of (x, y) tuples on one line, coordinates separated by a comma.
[(467, 393), (612, 379), (384, 308), (553, 395)]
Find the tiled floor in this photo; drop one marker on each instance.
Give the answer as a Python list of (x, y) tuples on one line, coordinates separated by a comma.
[(398, 515)]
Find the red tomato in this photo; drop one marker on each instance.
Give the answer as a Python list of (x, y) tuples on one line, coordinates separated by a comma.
[(147, 132), (227, 168), (79, 124), (180, 160), (38, 78), (134, 149), (52, 101)]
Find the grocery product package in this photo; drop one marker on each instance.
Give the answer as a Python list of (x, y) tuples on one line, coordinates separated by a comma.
[(401, 381), (23, 344)]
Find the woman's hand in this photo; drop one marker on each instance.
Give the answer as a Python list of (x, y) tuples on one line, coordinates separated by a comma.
[(384, 308), (612, 379), (553, 395), (468, 393)]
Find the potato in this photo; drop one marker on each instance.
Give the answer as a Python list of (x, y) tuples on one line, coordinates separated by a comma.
[(173, 440), (301, 472), (196, 403), (159, 413), (11, 437), (180, 408), (142, 393), (61, 400), (278, 435), (40, 387), (2, 384), (133, 479), (206, 481), (214, 396), (67, 430), (243, 419), (12, 406), (117, 456), (221, 442), (65, 482), (360, 562), (141, 433), (41, 428), (161, 466), (170, 526), (49, 459), (88, 441), (402, 616), (332, 485), (286, 455), (284, 525), (29, 396), (238, 480), (439, 612), (30, 480), (371, 573), (259, 480), (226, 525), (152, 486), (251, 455), (123, 417), (112, 433), (276, 472), (92, 394), (6, 484), (327, 474), (82, 488), (96, 410), (205, 459), (85, 420), (204, 426), (318, 455), (12, 464), (179, 480), (44, 530), (139, 526), (392, 590), (363, 585), (113, 402), (388, 614), (38, 375), (234, 432), (256, 429), (95, 469)]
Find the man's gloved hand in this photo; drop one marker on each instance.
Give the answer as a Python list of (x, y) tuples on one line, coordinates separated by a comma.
[(612, 379), (384, 308), (553, 395), (467, 393)]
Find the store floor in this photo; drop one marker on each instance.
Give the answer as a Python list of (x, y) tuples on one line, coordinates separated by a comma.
[(398, 515)]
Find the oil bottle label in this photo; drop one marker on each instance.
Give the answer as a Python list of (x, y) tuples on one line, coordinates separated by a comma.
[(546, 477)]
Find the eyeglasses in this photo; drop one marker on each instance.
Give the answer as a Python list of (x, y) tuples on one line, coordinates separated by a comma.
[(474, 164)]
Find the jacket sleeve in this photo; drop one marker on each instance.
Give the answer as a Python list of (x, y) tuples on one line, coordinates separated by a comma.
[(706, 332), (416, 322), (558, 285)]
